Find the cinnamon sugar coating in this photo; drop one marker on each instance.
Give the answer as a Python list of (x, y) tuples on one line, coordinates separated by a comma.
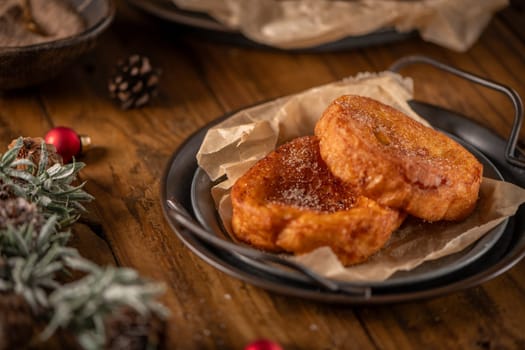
[(290, 201), (397, 161)]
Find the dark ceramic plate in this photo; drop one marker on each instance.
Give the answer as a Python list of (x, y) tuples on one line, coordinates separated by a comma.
[(168, 11), (507, 243), (204, 209)]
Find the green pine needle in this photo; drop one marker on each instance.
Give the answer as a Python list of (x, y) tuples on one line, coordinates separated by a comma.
[(83, 304), (33, 259), (50, 188), (33, 253)]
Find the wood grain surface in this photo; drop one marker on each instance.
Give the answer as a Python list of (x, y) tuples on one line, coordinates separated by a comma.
[(203, 79)]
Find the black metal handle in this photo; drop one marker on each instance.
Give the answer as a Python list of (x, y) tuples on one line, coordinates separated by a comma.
[(181, 216), (512, 153)]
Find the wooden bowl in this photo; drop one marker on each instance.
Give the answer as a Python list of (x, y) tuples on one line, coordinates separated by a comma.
[(24, 66)]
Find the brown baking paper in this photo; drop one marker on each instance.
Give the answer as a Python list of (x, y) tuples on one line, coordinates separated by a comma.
[(293, 24), (234, 145)]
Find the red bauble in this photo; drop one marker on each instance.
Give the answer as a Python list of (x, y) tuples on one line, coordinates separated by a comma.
[(67, 142), (263, 344)]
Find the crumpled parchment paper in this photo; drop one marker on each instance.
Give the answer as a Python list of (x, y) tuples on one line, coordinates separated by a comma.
[(294, 24), (234, 145)]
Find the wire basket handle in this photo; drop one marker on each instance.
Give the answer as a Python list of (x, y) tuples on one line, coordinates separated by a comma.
[(183, 218), (511, 149)]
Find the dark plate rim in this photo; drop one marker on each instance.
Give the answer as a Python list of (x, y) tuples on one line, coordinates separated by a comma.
[(455, 261), (170, 12)]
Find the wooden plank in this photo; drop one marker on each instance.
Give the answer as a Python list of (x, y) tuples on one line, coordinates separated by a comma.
[(23, 113), (514, 16), (202, 80)]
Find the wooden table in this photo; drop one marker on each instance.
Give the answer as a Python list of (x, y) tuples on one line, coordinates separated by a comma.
[(201, 81)]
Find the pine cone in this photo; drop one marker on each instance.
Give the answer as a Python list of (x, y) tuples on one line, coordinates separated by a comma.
[(20, 327), (17, 324), (5, 191), (128, 330), (18, 211), (134, 82), (4, 269), (31, 150)]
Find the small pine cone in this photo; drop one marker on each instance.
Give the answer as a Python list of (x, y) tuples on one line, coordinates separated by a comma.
[(128, 330), (134, 82), (31, 150), (4, 269), (17, 322), (5, 191), (18, 211)]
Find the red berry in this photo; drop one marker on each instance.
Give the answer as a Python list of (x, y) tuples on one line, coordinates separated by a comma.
[(66, 141), (263, 344)]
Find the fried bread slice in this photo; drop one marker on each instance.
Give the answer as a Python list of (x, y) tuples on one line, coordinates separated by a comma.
[(290, 201), (397, 161)]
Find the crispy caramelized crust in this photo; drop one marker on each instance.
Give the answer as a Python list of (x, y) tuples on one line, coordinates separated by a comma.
[(290, 201), (397, 161)]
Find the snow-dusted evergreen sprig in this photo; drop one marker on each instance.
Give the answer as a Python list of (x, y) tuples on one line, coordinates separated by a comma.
[(49, 187), (8, 169), (32, 256), (82, 306), (36, 202)]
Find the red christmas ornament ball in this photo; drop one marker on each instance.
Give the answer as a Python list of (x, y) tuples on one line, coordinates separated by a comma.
[(66, 141), (263, 344)]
